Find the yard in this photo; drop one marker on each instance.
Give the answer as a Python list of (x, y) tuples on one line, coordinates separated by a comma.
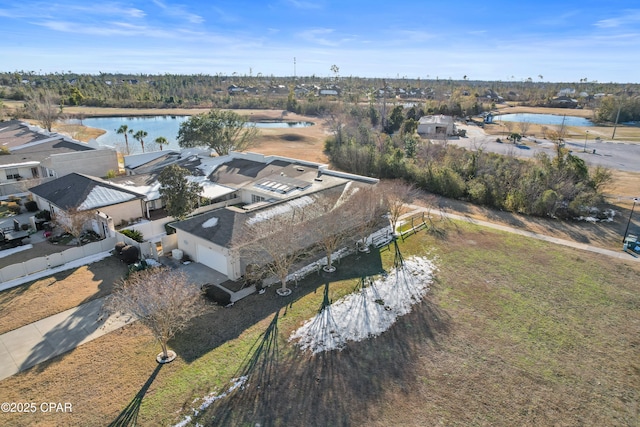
[(497, 341), (513, 332)]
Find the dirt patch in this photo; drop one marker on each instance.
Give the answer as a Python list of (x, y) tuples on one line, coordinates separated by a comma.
[(61, 291)]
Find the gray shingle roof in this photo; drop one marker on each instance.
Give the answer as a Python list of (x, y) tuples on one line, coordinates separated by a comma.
[(229, 221)]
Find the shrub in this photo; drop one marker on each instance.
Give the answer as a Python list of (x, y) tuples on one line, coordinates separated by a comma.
[(31, 206), (119, 247), (44, 214), (14, 208), (133, 234)]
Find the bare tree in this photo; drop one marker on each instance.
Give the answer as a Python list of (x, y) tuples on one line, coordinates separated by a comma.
[(397, 194), (370, 207), (333, 221), (161, 299), (44, 109), (510, 126), (274, 240), (524, 127), (74, 221)]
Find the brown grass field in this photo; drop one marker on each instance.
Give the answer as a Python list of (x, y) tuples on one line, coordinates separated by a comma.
[(499, 341), (514, 332)]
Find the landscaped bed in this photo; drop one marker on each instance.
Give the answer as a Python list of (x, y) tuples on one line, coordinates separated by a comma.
[(498, 340)]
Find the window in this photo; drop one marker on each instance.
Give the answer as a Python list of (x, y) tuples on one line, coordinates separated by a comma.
[(12, 173), (256, 199)]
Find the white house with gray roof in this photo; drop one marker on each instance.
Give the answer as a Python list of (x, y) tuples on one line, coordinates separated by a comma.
[(35, 156), (80, 192)]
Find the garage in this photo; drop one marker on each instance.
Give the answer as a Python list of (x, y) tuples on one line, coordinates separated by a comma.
[(212, 259)]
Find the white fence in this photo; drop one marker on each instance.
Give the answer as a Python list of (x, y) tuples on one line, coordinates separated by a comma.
[(36, 265)]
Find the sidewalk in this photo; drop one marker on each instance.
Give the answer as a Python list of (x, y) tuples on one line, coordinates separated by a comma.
[(615, 254), (47, 338)]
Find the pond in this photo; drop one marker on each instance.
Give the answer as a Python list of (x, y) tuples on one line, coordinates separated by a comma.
[(157, 126), (544, 119)]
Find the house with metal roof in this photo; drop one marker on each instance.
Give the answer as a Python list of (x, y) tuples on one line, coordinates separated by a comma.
[(74, 191)]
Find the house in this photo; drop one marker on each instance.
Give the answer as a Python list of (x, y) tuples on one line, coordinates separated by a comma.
[(332, 90), (36, 156), (563, 102), (260, 184), (113, 205), (246, 178), (438, 126), (143, 170)]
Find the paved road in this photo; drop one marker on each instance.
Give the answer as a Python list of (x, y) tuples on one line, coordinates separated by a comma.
[(613, 155)]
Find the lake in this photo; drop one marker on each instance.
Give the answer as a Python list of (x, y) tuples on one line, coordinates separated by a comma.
[(544, 119), (156, 126)]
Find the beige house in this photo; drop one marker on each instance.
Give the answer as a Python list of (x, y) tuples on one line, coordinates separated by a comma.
[(436, 126), (260, 184), (36, 156), (112, 205)]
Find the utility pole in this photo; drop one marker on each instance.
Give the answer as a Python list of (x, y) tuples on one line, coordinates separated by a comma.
[(586, 135), (613, 136)]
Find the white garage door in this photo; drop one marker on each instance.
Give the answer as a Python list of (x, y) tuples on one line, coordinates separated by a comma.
[(212, 259)]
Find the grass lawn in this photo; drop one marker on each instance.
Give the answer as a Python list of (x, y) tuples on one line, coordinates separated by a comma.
[(54, 294), (514, 332)]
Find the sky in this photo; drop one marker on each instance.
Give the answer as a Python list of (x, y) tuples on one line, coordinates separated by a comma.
[(545, 40)]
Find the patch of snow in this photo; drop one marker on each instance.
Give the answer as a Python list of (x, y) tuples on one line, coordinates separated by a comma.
[(15, 250), (369, 312), (211, 222), (212, 397)]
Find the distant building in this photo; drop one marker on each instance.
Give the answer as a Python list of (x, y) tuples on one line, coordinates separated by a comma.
[(438, 126)]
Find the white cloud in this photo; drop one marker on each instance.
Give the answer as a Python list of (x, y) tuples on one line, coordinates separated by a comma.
[(630, 17), (299, 4)]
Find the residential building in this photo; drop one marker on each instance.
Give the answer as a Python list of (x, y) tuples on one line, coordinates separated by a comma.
[(113, 205), (36, 156), (436, 126)]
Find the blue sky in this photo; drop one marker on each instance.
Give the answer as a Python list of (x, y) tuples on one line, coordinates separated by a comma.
[(561, 40)]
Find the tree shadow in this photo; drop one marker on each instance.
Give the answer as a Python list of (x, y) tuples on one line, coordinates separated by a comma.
[(336, 388), (216, 327), (129, 415), (259, 369), (61, 333)]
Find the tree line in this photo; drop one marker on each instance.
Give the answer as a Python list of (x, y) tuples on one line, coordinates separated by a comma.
[(560, 186), (456, 97)]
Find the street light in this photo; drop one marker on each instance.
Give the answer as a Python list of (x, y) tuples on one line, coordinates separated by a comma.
[(635, 200), (586, 135)]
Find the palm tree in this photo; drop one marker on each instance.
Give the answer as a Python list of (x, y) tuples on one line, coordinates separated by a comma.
[(124, 130), (139, 136), (161, 140)]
